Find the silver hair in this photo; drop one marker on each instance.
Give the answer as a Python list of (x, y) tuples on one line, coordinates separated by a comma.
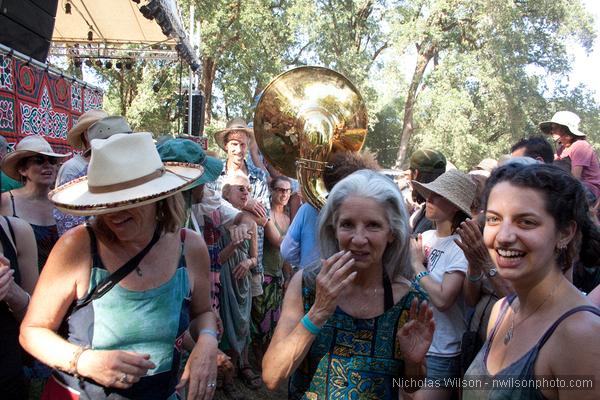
[(372, 185)]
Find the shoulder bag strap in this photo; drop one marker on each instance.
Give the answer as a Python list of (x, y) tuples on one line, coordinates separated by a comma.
[(110, 281)]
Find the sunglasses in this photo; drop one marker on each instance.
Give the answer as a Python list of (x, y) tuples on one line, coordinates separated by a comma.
[(41, 160), (243, 189), (282, 190)]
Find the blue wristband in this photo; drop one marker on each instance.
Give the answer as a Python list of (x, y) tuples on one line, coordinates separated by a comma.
[(420, 276), (209, 332), (309, 325)]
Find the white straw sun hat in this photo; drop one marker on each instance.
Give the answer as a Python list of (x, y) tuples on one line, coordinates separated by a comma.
[(27, 147), (125, 171)]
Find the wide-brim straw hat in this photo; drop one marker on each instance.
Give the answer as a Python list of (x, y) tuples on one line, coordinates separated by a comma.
[(454, 185), (237, 125), (85, 121), (567, 119), (125, 171), (27, 147)]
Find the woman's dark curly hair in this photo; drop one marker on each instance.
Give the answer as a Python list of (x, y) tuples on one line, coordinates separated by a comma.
[(565, 200)]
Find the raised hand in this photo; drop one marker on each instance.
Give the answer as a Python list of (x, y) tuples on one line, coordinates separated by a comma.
[(256, 208), (336, 273), (114, 368), (414, 338), (472, 245), (417, 255)]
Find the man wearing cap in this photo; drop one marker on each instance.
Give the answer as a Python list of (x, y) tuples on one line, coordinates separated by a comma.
[(7, 182), (235, 140), (425, 166), (564, 128), (77, 138), (94, 124)]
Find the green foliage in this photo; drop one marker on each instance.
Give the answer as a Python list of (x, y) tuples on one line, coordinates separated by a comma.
[(384, 136), (497, 68)]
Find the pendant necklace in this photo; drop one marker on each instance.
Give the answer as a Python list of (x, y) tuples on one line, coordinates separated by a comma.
[(510, 333)]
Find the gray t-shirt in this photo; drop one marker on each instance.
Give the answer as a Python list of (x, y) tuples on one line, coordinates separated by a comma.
[(444, 256)]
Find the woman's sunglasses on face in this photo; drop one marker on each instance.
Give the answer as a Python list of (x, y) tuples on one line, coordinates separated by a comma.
[(41, 160)]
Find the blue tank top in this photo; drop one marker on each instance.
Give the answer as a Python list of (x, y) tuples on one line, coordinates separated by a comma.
[(151, 321), (501, 386)]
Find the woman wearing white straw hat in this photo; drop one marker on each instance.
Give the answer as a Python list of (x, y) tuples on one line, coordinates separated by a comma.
[(440, 266), (122, 290), (564, 128), (35, 164)]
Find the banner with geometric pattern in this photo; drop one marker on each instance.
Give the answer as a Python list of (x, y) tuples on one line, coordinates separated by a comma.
[(35, 101)]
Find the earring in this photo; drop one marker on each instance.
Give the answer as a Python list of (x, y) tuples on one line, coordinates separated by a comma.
[(560, 247)]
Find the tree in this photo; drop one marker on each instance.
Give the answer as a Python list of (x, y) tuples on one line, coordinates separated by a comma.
[(507, 37)]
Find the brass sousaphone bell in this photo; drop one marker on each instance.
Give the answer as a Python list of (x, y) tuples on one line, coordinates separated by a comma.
[(303, 117)]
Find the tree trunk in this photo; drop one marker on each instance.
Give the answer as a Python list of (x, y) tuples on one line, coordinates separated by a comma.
[(122, 93), (209, 68), (425, 54)]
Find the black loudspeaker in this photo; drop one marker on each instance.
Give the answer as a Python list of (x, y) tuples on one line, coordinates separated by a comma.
[(27, 26), (198, 104)]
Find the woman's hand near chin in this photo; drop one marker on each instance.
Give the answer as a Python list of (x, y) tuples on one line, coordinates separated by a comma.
[(335, 275)]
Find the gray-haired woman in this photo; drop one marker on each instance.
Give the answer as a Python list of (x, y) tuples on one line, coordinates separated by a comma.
[(345, 326)]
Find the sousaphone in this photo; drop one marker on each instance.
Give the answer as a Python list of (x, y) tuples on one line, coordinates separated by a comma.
[(303, 117)]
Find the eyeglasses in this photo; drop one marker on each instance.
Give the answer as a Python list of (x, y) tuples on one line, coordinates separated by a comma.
[(41, 160), (282, 190), (243, 189)]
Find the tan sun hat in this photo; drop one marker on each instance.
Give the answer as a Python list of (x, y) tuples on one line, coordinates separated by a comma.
[(453, 185), (27, 147), (125, 171), (236, 124), (85, 121), (567, 119)]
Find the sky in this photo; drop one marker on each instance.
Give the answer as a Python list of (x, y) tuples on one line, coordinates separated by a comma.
[(586, 67)]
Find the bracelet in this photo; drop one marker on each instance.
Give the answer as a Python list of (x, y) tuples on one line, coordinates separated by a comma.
[(475, 278), (309, 325), (420, 276), (209, 332), (75, 360)]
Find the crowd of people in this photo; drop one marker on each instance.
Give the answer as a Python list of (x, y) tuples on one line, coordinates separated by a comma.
[(144, 269)]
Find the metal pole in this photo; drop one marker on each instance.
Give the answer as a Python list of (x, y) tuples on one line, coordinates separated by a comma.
[(191, 83)]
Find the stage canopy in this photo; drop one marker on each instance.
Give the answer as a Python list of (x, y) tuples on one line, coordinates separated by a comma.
[(121, 28)]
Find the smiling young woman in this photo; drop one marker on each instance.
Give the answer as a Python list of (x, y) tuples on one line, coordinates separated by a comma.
[(537, 225)]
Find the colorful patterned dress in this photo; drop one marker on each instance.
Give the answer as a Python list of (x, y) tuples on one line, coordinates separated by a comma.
[(353, 358)]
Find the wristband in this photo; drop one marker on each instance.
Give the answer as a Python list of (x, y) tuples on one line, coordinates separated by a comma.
[(309, 325), (75, 360), (209, 332), (475, 278), (420, 276)]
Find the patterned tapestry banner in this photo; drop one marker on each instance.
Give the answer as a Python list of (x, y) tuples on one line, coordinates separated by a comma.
[(35, 101)]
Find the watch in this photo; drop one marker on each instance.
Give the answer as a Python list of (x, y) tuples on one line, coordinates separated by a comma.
[(492, 272)]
